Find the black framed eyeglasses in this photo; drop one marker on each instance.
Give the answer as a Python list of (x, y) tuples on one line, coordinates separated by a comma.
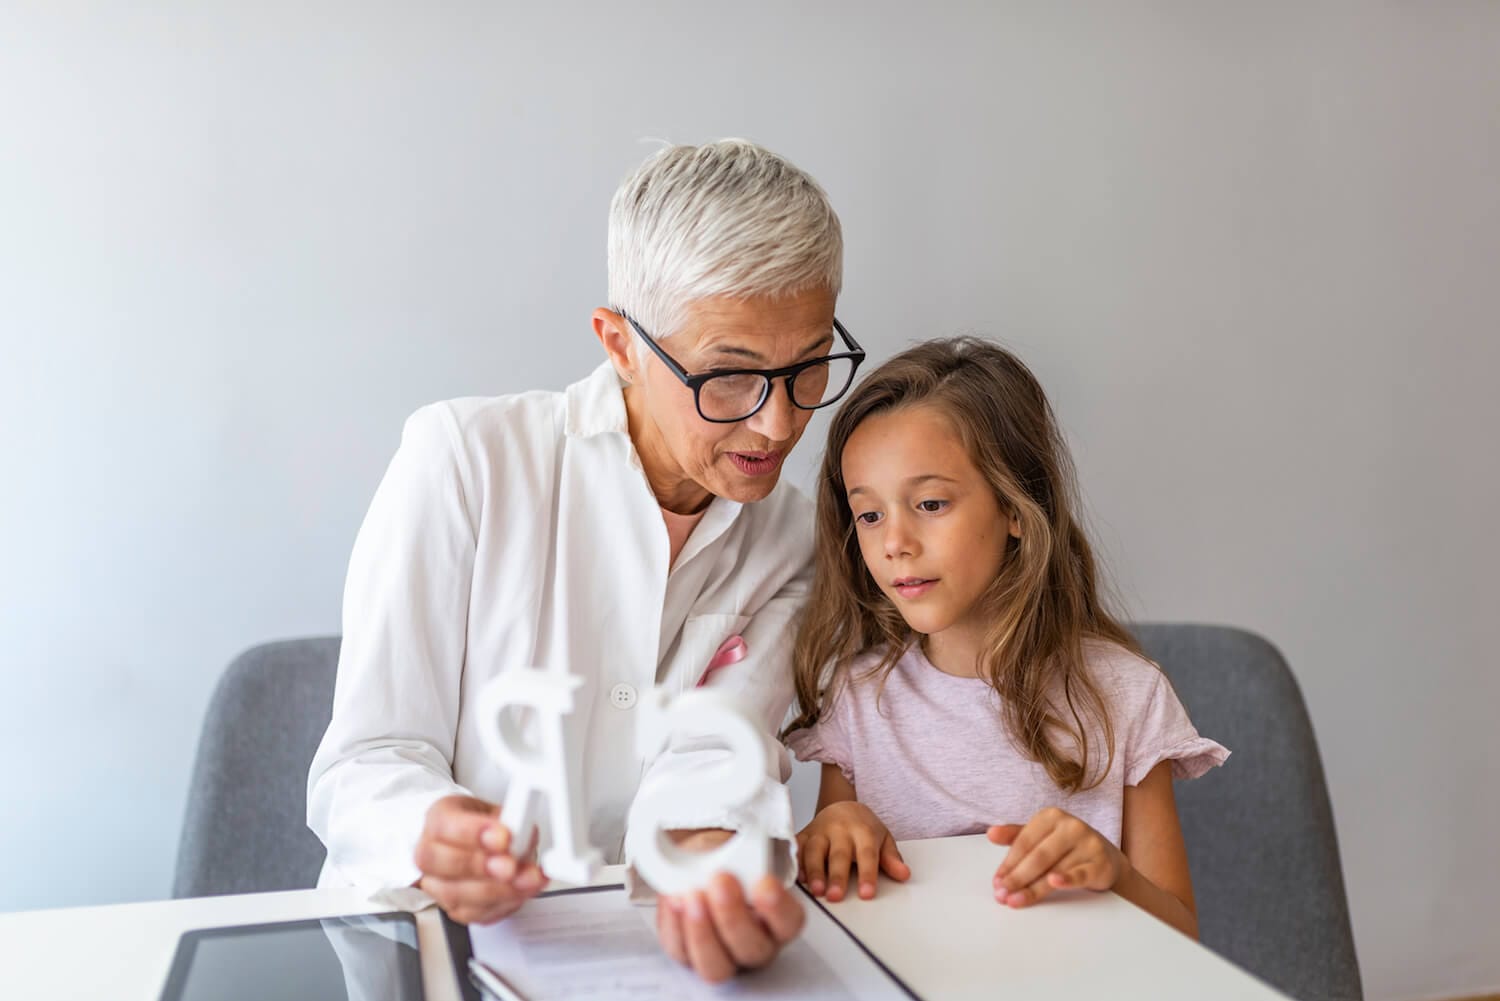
[(731, 395)]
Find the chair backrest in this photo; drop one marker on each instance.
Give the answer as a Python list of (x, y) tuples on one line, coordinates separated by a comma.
[(246, 824), (1259, 830)]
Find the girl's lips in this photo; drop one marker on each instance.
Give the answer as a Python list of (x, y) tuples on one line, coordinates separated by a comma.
[(756, 463), (913, 587)]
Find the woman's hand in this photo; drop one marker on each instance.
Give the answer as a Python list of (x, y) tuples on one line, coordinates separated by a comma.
[(1054, 851), (841, 833), (721, 930), (467, 865)]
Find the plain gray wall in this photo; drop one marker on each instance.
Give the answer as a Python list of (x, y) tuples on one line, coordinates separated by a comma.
[(1252, 251)]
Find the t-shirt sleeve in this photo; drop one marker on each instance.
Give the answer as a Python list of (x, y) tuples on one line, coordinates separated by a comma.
[(827, 740), (1163, 732)]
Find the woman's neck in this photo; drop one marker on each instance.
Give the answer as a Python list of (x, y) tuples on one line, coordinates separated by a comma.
[(673, 490)]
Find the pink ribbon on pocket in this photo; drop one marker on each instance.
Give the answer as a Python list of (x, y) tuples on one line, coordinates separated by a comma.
[(731, 651)]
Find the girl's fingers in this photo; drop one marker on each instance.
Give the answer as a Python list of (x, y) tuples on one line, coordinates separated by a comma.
[(867, 862), (815, 864), (1089, 875), (1026, 896), (839, 859), (891, 862), (1073, 871), (1037, 830), (1003, 834), (1037, 862)]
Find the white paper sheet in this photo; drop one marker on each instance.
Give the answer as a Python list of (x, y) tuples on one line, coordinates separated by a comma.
[(594, 945)]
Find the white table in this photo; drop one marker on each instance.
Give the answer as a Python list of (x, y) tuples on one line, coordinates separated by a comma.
[(942, 932)]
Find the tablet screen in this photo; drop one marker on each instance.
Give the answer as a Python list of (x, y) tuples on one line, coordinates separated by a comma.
[(363, 957)]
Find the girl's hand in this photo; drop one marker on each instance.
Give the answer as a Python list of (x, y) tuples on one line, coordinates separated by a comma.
[(841, 833), (1054, 851)]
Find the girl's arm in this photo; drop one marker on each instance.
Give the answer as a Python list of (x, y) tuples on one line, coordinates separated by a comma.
[(833, 788), (1056, 851), (1157, 879)]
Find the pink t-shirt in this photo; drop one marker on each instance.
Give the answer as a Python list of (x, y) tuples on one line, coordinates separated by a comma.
[(936, 758)]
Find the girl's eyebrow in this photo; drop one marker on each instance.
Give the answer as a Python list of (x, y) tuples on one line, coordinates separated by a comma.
[(910, 482)]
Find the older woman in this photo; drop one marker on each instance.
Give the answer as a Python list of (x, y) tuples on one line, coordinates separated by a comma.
[(620, 530)]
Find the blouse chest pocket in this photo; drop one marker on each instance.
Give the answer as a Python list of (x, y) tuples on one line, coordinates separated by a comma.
[(702, 637)]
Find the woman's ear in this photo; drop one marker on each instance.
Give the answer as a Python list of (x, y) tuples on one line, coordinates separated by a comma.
[(1015, 526), (614, 332)]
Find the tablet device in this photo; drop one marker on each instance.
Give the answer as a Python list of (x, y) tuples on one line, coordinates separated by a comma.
[(360, 957)]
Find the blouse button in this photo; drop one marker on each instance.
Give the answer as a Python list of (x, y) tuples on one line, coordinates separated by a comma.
[(622, 696)]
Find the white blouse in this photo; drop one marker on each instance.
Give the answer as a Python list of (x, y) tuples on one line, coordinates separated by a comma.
[(521, 530)]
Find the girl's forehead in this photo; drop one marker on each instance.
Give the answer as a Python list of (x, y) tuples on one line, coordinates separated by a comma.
[(904, 443)]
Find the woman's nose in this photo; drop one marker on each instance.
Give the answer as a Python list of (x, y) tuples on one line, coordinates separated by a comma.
[(777, 419)]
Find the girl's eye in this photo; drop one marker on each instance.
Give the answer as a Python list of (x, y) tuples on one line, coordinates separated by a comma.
[(932, 506), (868, 518)]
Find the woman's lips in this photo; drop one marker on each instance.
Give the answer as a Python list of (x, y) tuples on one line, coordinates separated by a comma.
[(756, 463), (913, 587)]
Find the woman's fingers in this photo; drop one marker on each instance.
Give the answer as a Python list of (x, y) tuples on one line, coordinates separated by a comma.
[(530, 879), (439, 858), (669, 928), (474, 901), (706, 954), (740, 931), (496, 838), (781, 912)]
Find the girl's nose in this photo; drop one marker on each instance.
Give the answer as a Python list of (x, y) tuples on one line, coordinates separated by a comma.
[(899, 540)]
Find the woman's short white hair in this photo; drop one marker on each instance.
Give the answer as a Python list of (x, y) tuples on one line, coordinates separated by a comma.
[(728, 218)]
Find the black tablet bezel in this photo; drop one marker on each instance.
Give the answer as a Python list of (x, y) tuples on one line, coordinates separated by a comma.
[(187, 945)]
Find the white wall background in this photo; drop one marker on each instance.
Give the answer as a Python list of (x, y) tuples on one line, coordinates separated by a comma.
[(1252, 250)]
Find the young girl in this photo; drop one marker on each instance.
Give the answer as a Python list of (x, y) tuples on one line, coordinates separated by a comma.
[(956, 671)]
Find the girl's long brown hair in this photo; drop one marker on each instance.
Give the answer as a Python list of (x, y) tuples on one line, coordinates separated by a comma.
[(1044, 602)]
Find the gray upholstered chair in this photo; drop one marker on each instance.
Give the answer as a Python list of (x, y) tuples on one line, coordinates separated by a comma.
[(246, 825), (1259, 830)]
